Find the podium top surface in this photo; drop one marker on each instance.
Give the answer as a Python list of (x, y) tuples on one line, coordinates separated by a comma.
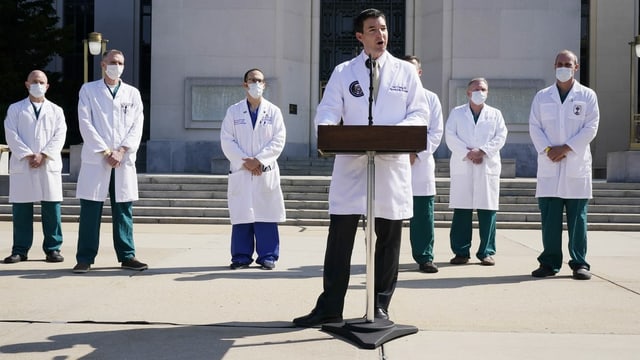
[(379, 138)]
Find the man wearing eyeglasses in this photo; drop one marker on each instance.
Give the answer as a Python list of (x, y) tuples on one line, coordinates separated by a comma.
[(252, 137)]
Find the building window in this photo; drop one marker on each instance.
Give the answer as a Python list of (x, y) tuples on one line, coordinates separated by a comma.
[(584, 41), (207, 99), (337, 39)]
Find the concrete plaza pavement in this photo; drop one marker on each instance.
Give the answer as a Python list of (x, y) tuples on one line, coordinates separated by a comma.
[(189, 305)]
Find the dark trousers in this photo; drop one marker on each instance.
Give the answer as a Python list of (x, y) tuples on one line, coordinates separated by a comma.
[(337, 262), (422, 229), (23, 227), (551, 209), (89, 228), (462, 230)]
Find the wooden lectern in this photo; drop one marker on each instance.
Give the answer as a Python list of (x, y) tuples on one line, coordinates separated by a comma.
[(370, 332)]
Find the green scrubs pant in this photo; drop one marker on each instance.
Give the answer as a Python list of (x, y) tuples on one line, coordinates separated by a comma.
[(461, 231), (23, 227), (551, 209), (89, 230), (421, 229)]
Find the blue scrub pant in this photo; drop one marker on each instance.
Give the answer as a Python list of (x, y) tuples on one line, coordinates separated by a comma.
[(551, 209), (89, 230), (462, 228), (421, 229), (263, 237), (23, 227)]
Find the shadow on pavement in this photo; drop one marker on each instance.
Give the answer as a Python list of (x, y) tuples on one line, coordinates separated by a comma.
[(153, 342)]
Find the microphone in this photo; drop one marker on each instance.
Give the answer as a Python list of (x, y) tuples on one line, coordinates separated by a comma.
[(370, 63)]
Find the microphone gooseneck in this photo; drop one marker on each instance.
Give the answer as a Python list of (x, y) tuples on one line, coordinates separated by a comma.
[(370, 63)]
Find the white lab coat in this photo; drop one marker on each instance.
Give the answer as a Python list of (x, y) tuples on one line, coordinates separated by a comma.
[(574, 123), (254, 198), (400, 102), (423, 178), (108, 123), (475, 186), (27, 135)]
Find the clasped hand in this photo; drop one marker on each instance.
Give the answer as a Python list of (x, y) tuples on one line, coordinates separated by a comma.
[(253, 165), (36, 160), (557, 153), (475, 155)]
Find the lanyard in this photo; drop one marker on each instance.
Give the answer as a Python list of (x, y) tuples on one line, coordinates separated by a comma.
[(36, 110)]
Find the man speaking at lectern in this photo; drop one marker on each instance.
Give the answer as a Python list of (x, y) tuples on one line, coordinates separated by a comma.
[(397, 100)]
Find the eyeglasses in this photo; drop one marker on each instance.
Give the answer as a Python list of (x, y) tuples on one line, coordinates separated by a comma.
[(253, 80)]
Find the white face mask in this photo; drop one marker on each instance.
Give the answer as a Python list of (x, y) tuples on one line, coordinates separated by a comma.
[(37, 90), (114, 71), (478, 97), (564, 74), (256, 89)]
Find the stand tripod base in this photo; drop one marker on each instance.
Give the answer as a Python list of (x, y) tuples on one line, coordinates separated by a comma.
[(369, 335)]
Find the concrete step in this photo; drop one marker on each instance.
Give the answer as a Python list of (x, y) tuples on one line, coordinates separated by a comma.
[(201, 199)]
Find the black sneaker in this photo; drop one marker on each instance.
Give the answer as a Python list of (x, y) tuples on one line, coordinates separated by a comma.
[(237, 265), (459, 260), (429, 267), (268, 265), (542, 271), (581, 273), (15, 258), (81, 268), (54, 257), (133, 264)]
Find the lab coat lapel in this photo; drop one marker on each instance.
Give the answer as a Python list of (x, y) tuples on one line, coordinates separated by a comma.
[(386, 78)]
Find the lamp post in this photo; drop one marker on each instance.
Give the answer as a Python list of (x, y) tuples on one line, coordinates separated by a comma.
[(94, 45), (634, 141)]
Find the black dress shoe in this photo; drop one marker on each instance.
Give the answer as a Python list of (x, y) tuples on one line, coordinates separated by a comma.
[(14, 258), (381, 313), (54, 256), (315, 318)]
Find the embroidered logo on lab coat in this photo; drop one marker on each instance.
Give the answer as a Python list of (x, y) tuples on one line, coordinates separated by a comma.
[(577, 109), (239, 121), (355, 89)]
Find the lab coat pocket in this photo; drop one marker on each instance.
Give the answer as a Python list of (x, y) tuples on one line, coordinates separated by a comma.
[(53, 165), (578, 110), (460, 165), (493, 165), (268, 181), (578, 165), (19, 166), (239, 183), (546, 167)]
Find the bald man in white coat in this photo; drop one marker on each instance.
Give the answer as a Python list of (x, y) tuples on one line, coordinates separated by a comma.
[(564, 119), (35, 129), (400, 101)]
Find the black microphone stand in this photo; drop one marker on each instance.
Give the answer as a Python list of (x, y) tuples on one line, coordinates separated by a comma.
[(370, 63)]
